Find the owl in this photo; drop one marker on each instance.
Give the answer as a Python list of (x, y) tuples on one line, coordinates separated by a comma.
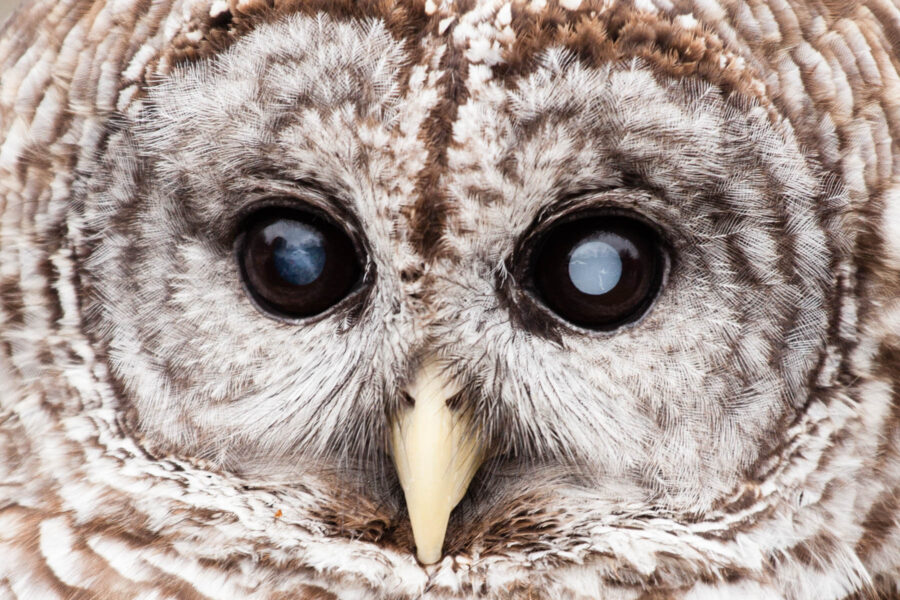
[(446, 299)]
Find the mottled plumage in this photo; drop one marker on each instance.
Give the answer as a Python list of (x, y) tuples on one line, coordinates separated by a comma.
[(161, 437)]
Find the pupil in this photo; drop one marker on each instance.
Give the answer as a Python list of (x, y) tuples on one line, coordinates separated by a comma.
[(595, 267), (298, 251)]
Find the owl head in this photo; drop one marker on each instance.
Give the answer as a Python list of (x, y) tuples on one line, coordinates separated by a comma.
[(494, 297)]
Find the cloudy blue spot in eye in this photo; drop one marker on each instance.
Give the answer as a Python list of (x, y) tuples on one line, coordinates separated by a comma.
[(298, 251), (595, 267)]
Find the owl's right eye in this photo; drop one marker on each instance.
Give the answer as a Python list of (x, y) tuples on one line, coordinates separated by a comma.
[(296, 264)]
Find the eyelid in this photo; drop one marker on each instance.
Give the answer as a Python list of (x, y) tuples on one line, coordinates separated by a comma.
[(320, 206), (616, 203), (587, 205), (306, 195)]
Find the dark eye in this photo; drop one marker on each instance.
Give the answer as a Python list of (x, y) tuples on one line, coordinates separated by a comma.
[(599, 272), (296, 264)]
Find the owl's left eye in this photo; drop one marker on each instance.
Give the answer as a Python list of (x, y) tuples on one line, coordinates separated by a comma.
[(599, 272), (296, 264)]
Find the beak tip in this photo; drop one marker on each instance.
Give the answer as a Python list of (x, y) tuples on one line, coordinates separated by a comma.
[(429, 537), (429, 556)]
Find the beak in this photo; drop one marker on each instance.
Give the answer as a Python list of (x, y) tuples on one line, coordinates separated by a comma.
[(436, 454)]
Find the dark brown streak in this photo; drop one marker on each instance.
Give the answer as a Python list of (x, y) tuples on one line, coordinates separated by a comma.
[(429, 214)]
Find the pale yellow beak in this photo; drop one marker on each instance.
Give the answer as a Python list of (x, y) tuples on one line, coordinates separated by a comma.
[(436, 453)]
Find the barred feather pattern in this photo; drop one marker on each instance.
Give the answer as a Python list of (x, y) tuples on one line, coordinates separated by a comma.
[(159, 438)]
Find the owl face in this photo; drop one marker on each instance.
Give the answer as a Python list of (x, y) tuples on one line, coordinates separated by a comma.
[(284, 233)]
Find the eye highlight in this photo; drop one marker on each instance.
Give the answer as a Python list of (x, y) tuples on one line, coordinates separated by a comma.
[(599, 272), (296, 264)]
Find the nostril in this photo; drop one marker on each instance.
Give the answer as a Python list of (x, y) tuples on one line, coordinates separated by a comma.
[(455, 401), (412, 273)]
